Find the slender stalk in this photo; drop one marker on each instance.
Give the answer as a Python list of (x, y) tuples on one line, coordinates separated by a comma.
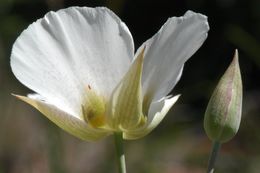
[(120, 152), (213, 156)]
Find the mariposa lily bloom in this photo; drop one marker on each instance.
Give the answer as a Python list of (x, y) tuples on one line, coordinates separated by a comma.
[(80, 62)]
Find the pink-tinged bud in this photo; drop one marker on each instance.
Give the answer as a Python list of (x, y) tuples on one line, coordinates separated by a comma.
[(223, 114)]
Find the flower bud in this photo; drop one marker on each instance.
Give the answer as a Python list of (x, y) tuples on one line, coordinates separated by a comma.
[(223, 114)]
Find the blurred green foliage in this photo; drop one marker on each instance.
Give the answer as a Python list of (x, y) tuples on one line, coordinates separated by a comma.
[(29, 143)]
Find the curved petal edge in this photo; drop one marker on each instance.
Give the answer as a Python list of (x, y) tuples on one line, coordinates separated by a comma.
[(67, 122), (156, 114)]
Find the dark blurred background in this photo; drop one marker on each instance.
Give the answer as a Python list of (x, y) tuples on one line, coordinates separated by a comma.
[(29, 143)]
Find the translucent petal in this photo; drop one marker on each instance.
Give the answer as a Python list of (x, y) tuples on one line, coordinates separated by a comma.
[(65, 52), (166, 52)]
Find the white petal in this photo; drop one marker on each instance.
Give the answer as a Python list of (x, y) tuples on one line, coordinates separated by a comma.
[(69, 123), (61, 54), (157, 112), (125, 106), (167, 51)]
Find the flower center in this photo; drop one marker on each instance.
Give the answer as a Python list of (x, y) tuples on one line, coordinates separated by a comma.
[(93, 109)]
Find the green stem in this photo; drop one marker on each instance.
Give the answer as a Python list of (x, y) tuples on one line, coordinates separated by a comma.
[(213, 156), (120, 152)]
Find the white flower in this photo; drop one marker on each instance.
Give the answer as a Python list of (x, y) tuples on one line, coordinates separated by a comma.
[(81, 63)]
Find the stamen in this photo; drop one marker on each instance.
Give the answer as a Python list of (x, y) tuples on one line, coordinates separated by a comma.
[(93, 109)]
